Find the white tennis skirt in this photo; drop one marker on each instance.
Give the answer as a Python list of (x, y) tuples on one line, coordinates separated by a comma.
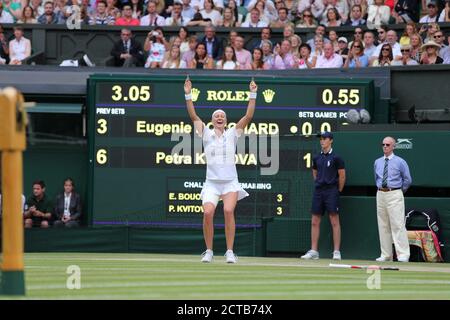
[(214, 189)]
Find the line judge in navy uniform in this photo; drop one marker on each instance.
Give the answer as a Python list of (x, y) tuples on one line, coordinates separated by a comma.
[(392, 178), (329, 180)]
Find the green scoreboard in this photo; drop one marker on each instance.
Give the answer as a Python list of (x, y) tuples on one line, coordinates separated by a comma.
[(147, 166)]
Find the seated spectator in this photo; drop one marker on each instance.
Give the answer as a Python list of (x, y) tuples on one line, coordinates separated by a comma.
[(340, 5), (152, 18), (136, 8), (381, 34), (19, 48), (268, 56), (39, 207), (176, 19), (27, 16), (320, 31), (283, 19), (188, 10), (445, 52), (283, 58), (38, 7), (254, 21), (333, 37), (155, 45), (243, 56), (314, 7), (378, 14), (127, 52), (288, 32), (296, 41), (307, 19), (49, 16), (306, 61), (439, 39), (357, 35), (356, 57), (329, 59), (257, 42), (212, 43), (410, 29), (343, 48), (356, 17), (385, 57), (267, 10), (14, 7), (183, 35), (101, 17), (430, 30), (333, 19), (416, 47), (369, 43), (209, 12), (318, 46), (228, 19), (67, 211), (5, 16), (362, 3), (201, 59), (430, 53), (432, 15), (112, 9), (198, 21), (406, 57), (234, 8), (232, 37), (4, 47), (189, 54), (127, 17), (257, 61), (445, 14), (228, 61), (391, 39), (173, 59), (406, 11)]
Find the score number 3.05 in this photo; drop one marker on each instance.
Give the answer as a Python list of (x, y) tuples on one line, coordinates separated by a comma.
[(135, 93)]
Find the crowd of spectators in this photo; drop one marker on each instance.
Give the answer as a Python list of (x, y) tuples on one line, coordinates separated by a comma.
[(373, 42)]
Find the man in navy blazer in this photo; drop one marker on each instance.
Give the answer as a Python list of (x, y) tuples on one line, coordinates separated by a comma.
[(212, 43)]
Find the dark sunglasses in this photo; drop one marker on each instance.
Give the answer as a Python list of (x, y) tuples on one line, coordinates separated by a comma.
[(404, 50), (385, 144), (438, 36), (380, 32), (358, 32), (307, 15), (386, 49), (356, 47)]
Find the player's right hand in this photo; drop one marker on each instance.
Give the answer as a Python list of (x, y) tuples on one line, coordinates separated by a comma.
[(187, 86)]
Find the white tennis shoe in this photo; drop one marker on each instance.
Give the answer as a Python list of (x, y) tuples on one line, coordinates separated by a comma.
[(207, 256), (311, 255), (336, 255), (230, 257)]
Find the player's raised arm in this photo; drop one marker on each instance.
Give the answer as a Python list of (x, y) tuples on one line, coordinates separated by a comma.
[(198, 123), (245, 120)]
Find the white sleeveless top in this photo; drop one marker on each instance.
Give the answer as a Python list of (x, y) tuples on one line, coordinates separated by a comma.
[(220, 154)]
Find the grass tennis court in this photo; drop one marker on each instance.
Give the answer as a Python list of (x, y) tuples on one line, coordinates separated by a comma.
[(172, 277)]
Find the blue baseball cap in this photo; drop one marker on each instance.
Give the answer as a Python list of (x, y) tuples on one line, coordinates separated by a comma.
[(325, 134)]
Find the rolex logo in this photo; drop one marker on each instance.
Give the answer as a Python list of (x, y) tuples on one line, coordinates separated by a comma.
[(268, 95), (195, 93)]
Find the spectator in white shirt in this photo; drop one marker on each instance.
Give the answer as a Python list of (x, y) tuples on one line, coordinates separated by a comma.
[(329, 59), (315, 6), (5, 17), (209, 12), (391, 38), (432, 15), (19, 48), (152, 18), (378, 14), (255, 21)]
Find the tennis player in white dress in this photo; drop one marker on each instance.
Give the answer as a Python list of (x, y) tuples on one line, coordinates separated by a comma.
[(221, 175)]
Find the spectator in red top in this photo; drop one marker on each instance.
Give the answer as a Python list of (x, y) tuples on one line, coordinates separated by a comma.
[(127, 17)]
